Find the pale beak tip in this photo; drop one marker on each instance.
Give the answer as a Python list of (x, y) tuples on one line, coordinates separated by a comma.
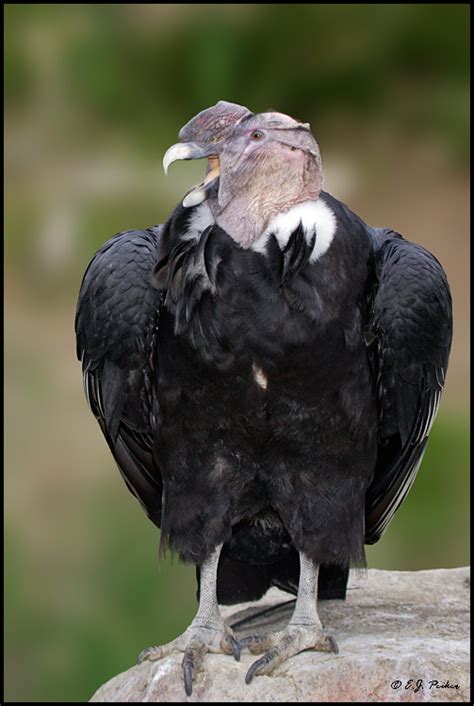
[(166, 162), (187, 150)]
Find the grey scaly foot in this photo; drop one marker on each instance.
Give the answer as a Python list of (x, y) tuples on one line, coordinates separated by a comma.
[(195, 642), (303, 632), (279, 646), (207, 632)]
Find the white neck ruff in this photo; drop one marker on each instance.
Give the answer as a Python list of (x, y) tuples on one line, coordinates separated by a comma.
[(316, 218)]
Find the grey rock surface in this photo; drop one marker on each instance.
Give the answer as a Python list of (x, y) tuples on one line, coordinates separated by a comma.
[(393, 627)]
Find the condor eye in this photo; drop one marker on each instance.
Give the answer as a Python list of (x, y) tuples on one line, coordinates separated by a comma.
[(256, 135)]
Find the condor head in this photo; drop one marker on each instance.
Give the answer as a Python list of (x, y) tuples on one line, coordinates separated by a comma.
[(259, 165)]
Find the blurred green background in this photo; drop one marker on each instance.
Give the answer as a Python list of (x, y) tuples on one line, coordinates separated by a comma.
[(94, 96)]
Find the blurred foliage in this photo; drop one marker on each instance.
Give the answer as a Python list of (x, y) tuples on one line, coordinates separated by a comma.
[(320, 59), (94, 94)]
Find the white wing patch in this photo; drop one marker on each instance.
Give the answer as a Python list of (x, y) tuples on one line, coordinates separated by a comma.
[(315, 216)]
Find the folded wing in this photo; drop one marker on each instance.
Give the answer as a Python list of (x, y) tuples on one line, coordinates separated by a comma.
[(116, 323), (409, 339)]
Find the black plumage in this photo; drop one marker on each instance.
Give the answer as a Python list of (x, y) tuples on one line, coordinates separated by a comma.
[(116, 325), (355, 349), (263, 398)]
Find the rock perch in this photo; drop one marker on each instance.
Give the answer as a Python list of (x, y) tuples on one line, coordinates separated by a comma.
[(402, 636)]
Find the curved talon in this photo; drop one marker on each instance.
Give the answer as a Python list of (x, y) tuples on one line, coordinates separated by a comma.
[(333, 644), (251, 671), (146, 655), (235, 648), (188, 667), (142, 656), (262, 662)]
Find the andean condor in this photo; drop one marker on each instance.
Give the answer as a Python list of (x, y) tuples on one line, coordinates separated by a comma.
[(266, 369)]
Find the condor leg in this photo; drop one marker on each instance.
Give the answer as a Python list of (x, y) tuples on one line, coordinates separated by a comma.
[(303, 632), (207, 632)]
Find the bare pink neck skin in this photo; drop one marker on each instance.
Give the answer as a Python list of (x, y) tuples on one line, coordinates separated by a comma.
[(262, 197)]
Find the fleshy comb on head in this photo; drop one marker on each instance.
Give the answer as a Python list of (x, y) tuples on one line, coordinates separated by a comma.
[(212, 125)]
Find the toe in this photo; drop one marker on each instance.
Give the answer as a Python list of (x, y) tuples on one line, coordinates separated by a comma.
[(283, 645), (264, 665), (326, 643), (256, 644), (152, 654), (149, 654)]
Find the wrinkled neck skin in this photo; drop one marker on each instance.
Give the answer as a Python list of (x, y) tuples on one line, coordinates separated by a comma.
[(268, 192)]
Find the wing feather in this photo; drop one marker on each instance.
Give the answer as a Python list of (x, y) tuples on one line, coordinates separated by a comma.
[(412, 321), (116, 322)]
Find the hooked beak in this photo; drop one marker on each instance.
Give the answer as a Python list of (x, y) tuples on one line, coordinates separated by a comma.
[(190, 150), (184, 150)]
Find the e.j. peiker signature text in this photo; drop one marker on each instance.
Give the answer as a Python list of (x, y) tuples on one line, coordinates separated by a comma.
[(419, 684)]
